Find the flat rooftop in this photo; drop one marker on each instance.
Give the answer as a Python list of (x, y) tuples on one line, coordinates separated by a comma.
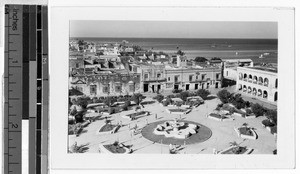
[(263, 68)]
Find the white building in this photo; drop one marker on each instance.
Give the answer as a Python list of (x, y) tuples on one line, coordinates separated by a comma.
[(258, 82), (230, 67)]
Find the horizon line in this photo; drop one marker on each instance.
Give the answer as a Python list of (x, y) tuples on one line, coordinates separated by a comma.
[(165, 37)]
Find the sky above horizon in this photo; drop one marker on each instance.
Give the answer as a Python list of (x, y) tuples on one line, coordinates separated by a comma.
[(174, 29)]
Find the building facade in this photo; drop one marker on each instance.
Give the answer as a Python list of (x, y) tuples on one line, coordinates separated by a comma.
[(230, 67), (153, 77), (258, 82), (106, 84), (192, 78)]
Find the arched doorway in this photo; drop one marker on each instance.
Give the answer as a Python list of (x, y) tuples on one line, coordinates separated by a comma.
[(217, 84)]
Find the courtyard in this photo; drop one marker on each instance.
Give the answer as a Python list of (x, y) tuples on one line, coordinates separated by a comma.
[(136, 133)]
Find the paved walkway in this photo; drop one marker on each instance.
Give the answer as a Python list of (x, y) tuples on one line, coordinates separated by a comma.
[(222, 132)]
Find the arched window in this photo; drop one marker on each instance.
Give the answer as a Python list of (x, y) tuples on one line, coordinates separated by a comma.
[(240, 87), (244, 88), (266, 82), (254, 91), (260, 80), (250, 78), (276, 83), (255, 79), (240, 76), (275, 96), (259, 92), (245, 76), (249, 90)]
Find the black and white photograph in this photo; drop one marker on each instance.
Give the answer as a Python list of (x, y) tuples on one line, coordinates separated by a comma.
[(173, 87)]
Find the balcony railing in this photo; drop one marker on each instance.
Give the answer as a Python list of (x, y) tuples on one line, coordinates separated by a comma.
[(245, 80), (250, 80), (260, 83), (254, 81)]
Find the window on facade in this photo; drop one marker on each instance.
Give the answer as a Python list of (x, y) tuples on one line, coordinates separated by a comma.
[(203, 76), (77, 65), (93, 89), (106, 89), (146, 76), (158, 75), (226, 73), (169, 85), (191, 78), (218, 76), (196, 77), (118, 88), (176, 79), (169, 78), (131, 87)]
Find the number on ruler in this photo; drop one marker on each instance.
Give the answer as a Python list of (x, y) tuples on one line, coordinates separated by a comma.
[(44, 60), (14, 125)]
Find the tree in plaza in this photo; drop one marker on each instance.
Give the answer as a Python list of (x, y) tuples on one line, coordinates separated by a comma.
[(184, 95), (238, 101), (203, 93), (138, 98), (83, 102), (224, 96), (109, 100), (257, 109), (272, 115), (159, 97)]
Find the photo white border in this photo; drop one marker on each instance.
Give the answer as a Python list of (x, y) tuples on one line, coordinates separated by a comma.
[(59, 38)]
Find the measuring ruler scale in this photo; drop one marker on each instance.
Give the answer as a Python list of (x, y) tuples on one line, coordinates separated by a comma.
[(26, 87)]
